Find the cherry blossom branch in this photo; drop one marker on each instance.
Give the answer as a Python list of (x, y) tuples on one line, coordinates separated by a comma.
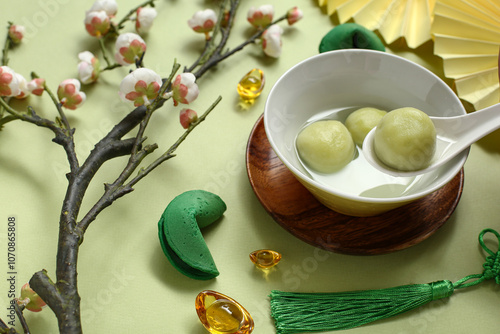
[(109, 65), (216, 55), (4, 329), (5, 62), (154, 106), (6, 47), (170, 152), (6, 119), (210, 47), (132, 12), (62, 115), (62, 137), (119, 188), (22, 319), (62, 294)]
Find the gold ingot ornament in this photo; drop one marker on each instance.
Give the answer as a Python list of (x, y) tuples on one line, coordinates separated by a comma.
[(265, 258), (251, 85), (221, 314)]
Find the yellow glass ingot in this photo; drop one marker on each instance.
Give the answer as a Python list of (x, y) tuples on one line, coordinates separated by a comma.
[(265, 258), (221, 314), (251, 85)]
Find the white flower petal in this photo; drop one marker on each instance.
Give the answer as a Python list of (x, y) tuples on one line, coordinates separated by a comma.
[(86, 56), (110, 7), (200, 17), (145, 18), (272, 41)]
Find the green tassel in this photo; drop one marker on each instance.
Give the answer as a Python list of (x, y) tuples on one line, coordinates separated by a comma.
[(318, 312)]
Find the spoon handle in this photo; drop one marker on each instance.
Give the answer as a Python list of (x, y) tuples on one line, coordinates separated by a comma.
[(468, 128)]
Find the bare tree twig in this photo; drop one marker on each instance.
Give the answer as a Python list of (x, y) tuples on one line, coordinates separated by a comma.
[(21, 318), (62, 294)]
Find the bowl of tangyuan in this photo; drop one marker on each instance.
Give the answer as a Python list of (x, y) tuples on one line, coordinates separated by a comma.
[(318, 112)]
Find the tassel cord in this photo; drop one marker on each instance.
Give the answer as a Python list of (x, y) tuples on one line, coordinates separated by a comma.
[(491, 266), (315, 312)]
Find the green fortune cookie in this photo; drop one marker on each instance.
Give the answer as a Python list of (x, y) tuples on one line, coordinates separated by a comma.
[(180, 235), (350, 36)]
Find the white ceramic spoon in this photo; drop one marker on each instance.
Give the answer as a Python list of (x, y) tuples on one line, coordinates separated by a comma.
[(454, 135)]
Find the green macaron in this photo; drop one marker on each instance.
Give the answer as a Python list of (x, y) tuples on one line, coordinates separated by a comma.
[(180, 236), (350, 36)]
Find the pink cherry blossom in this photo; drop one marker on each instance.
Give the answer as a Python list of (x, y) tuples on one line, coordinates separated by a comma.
[(88, 67), (203, 21), (23, 86), (97, 23), (271, 41), (108, 6), (294, 15), (140, 86), (129, 47), (69, 94), (184, 88), (145, 18), (187, 117), (261, 17), (36, 86), (16, 33), (30, 299), (9, 83)]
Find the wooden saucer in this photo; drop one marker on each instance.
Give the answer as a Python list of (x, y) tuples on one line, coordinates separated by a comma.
[(297, 211)]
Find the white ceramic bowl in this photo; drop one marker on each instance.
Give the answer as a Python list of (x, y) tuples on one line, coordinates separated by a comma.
[(332, 85)]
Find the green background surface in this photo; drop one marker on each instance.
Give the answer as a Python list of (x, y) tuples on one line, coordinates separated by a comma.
[(126, 283)]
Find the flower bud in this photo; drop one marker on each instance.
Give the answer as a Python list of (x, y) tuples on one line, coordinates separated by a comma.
[(271, 41), (203, 21), (88, 67), (23, 86), (225, 18), (97, 23), (140, 86), (16, 33), (108, 6), (30, 299), (145, 18), (9, 83), (261, 17), (293, 15), (69, 94), (36, 86), (129, 47), (187, 117), (184, 88)]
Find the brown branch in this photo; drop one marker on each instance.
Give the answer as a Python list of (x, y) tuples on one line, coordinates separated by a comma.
[(153, 107), (6, 47), (62, 137), (62, 295), (47, 290), (217, 56), (169, 153), (22, 320), (58, 105), (4, 329), (118, 188)]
